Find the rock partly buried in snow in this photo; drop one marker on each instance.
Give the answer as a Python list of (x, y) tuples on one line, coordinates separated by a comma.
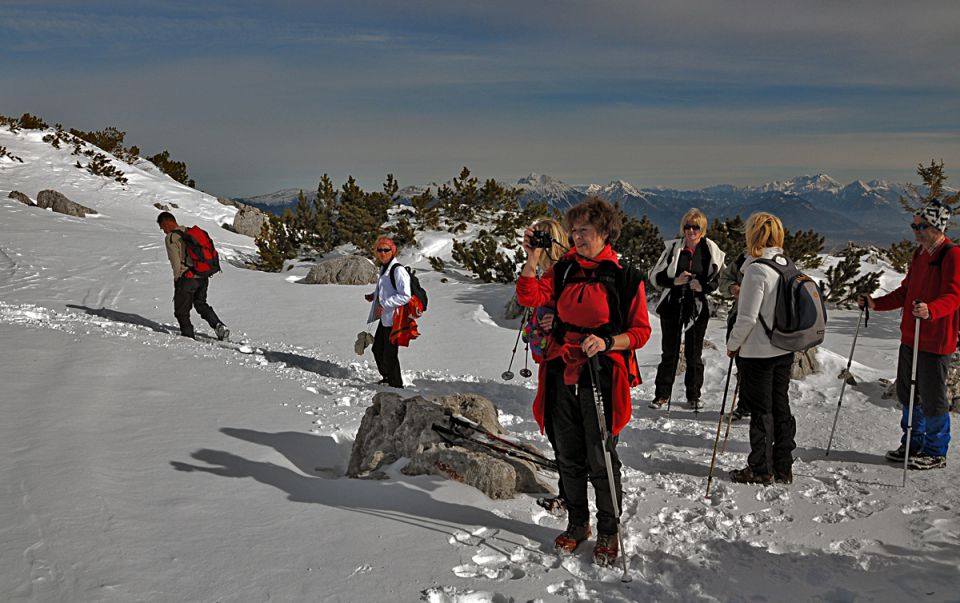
[(513, 310), (22, 198), (59, 203), (346, 270), (395, 428), (804, 363), (249, 221)]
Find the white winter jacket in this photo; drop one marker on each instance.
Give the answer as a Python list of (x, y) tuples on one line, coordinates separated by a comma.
[(758, 297), (389, 298)]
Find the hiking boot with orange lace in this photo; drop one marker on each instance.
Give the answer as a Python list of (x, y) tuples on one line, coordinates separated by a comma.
[(747, 476), (570, 539), (607, 550)]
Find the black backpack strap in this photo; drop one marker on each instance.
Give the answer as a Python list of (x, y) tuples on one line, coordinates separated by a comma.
[(393, 278), (944, 249)]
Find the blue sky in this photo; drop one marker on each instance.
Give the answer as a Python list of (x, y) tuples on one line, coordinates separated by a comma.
[(259, 96)]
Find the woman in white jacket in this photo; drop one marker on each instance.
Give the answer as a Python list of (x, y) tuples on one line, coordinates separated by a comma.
[(392, 292), (764, 368)]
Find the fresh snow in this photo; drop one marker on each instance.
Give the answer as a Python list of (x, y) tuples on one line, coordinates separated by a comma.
[(141, 466)]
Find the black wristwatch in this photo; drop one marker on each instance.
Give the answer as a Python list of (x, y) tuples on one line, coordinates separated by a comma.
[(607, 341)]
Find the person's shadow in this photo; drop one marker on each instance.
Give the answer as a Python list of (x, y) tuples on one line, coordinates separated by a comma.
[(127, 317), (388, 499)]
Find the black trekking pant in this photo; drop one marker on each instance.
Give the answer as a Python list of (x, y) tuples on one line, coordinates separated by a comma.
[(764, 389), (387, 356), (672, 331), (192, 293), (572, 415)]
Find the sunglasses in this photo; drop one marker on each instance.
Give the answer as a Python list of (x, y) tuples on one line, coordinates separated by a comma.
[(384, 250), (920, 226), (691, 227)]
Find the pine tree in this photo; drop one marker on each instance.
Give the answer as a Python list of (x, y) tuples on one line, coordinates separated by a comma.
[(425, 211), (803, 248), (640, 242), (900, 254), (844, 282), (325, 213), (729, 235), (275, 243), (483, 257)]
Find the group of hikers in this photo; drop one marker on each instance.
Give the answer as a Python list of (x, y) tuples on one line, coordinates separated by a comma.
[(590, 309)]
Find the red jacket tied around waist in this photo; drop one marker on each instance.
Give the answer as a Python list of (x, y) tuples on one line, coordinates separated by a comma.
[(934, 280), (585, 305)]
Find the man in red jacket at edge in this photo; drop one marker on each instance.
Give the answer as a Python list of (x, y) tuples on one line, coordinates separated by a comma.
[(929, 293), (601, 309)]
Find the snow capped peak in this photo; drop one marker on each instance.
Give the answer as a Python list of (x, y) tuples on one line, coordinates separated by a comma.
[(802, 184)]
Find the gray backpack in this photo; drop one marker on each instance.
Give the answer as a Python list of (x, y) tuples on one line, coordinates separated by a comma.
[(800, 315)]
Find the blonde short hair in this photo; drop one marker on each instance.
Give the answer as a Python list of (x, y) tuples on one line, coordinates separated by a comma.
[(694, 216), (763, 230), (561, 242)]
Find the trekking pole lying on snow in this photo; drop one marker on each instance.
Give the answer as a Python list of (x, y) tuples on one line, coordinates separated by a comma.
[(733, 404), (913, 390), (716, 441), (607, 438), (508, 374), (846, 377)]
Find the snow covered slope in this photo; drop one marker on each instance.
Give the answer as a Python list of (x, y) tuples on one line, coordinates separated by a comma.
[(140, 466)]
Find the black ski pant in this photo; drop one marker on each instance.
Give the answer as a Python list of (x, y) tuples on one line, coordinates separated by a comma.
[(672, 331), (386, 354), (572, 415), (192, 293), (765, 389)]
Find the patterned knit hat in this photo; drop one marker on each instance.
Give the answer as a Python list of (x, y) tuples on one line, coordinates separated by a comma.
[(936, 214)]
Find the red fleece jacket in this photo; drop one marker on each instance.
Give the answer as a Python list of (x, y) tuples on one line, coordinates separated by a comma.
[(939, 287), (585, 305)]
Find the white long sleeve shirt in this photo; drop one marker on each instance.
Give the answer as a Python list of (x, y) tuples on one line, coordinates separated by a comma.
[(758, 297), (388, 297)]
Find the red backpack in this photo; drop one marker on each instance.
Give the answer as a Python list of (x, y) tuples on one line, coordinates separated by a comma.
[(202, 256)]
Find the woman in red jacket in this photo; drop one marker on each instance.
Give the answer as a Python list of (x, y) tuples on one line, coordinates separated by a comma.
[(601, 308)]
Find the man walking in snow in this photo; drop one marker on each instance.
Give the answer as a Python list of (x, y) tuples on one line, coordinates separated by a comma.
[(189, 289), (930, 293)]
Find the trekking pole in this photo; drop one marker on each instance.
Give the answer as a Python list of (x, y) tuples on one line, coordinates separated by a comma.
[(525, 372), (607, 438), (913, 390), (856, 333), (508, 374), (733, 404), (716, 441)]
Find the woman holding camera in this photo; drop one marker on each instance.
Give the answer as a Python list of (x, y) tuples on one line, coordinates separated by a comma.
[(688, 271), (601, 311)]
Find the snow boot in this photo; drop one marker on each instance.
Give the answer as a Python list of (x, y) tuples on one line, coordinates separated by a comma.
[(896, 456), (695, 404), (659, 403), (739, 413), (924, 461), (223, 333), (783, 476), (607, 550), (747, 476), (570, 539)]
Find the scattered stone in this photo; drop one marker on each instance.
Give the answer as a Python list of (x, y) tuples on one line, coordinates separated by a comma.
[(58, 202), (395, 428), (22, 198), (804, 363), (162, 206), (249, 221), (345, 270), (513, 310)]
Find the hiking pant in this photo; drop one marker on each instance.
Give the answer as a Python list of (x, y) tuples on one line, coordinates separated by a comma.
[(931, 419), (764, 389), (192, 293), (693, 351), (572, 415), (386, 354)]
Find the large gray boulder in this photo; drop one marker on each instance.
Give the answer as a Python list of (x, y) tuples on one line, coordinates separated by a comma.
[(346, 270), (395, 428), (22, 198), (249, 221), (59, 203)]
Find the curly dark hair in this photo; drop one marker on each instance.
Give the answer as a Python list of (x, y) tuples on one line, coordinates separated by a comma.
[(598, 212)]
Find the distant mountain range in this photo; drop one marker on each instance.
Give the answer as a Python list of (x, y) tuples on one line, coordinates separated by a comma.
[(861, 211)]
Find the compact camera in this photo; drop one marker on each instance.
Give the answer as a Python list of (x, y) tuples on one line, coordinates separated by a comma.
[(541, 239)]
